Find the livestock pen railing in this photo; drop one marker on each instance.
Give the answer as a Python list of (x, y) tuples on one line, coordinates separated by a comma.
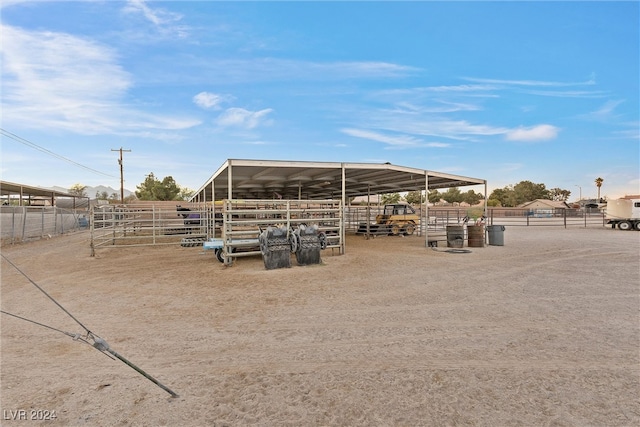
[(437, 218), (547, 217), (244, 220), (143, 225), (238, 222), (23, 223)]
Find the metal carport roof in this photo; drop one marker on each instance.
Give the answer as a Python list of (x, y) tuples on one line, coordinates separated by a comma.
[(28, 191), (268, 179)]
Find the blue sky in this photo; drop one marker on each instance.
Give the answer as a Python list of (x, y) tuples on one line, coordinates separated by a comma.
[(504, 91)]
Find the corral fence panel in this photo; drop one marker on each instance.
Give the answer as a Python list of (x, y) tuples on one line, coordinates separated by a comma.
[(547, 217), (244, 220), (149, 224), (437, 218), (237, 222)]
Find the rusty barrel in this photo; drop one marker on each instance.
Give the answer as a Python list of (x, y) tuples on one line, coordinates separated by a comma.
[(475, 236)]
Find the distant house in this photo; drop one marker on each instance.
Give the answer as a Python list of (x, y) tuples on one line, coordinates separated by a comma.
[(544, 204), (543, 207)]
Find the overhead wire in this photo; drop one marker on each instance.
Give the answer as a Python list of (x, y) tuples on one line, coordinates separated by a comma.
[(30, 144)]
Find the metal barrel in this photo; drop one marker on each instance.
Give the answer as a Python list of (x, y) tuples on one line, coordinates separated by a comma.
[(455, 236), (475, 236)]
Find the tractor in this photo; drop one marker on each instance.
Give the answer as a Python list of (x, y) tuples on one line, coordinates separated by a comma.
[(395, 219)]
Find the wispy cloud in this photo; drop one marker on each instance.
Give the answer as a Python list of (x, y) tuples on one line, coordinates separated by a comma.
[(433, 126), (395, 141), (437, 106), (245, 119), (7, 3), (605, 112), (609, 114), (568, 93), (163, 21), (59, 66), (414, 128), (369, 68), (210, 100), (543, 87), (455, 89), (461, 88), (276, 69), (429, 100), (631, 131), (537, 83), (61, 81), (535, 133)]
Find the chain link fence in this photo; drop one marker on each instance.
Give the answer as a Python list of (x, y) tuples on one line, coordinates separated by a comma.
[(23, 223)]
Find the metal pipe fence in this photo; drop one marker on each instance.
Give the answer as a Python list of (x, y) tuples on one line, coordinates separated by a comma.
[(116, 225), (547, 217), (236, 221), (244, 220), (440, 217)]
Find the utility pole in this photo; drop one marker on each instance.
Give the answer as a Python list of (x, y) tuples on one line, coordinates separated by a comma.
[(121, 174)]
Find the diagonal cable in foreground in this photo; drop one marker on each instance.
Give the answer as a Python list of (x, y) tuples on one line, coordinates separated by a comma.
[(98, 343)]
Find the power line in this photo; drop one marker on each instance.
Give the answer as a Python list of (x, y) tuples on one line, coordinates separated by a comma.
[(49, 152)]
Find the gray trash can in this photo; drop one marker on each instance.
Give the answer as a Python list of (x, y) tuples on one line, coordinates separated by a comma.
[(455, 236), (496, 235)]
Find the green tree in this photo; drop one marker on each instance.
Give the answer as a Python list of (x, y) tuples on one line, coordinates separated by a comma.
[(434, 196), (185, 193), (524, 191), (527, 191), (471, 197), (78, 190), (452, 195), (499, 195), (154, 189), (391, 198), (559, 194), (102, 196), (414, 197), (506, 196)]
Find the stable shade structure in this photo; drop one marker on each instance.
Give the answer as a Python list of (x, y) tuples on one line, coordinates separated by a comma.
[(300, 180), (22, 193), (296, 180)]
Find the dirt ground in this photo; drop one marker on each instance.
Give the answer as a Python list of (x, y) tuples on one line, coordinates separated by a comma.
[(543, 331)]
